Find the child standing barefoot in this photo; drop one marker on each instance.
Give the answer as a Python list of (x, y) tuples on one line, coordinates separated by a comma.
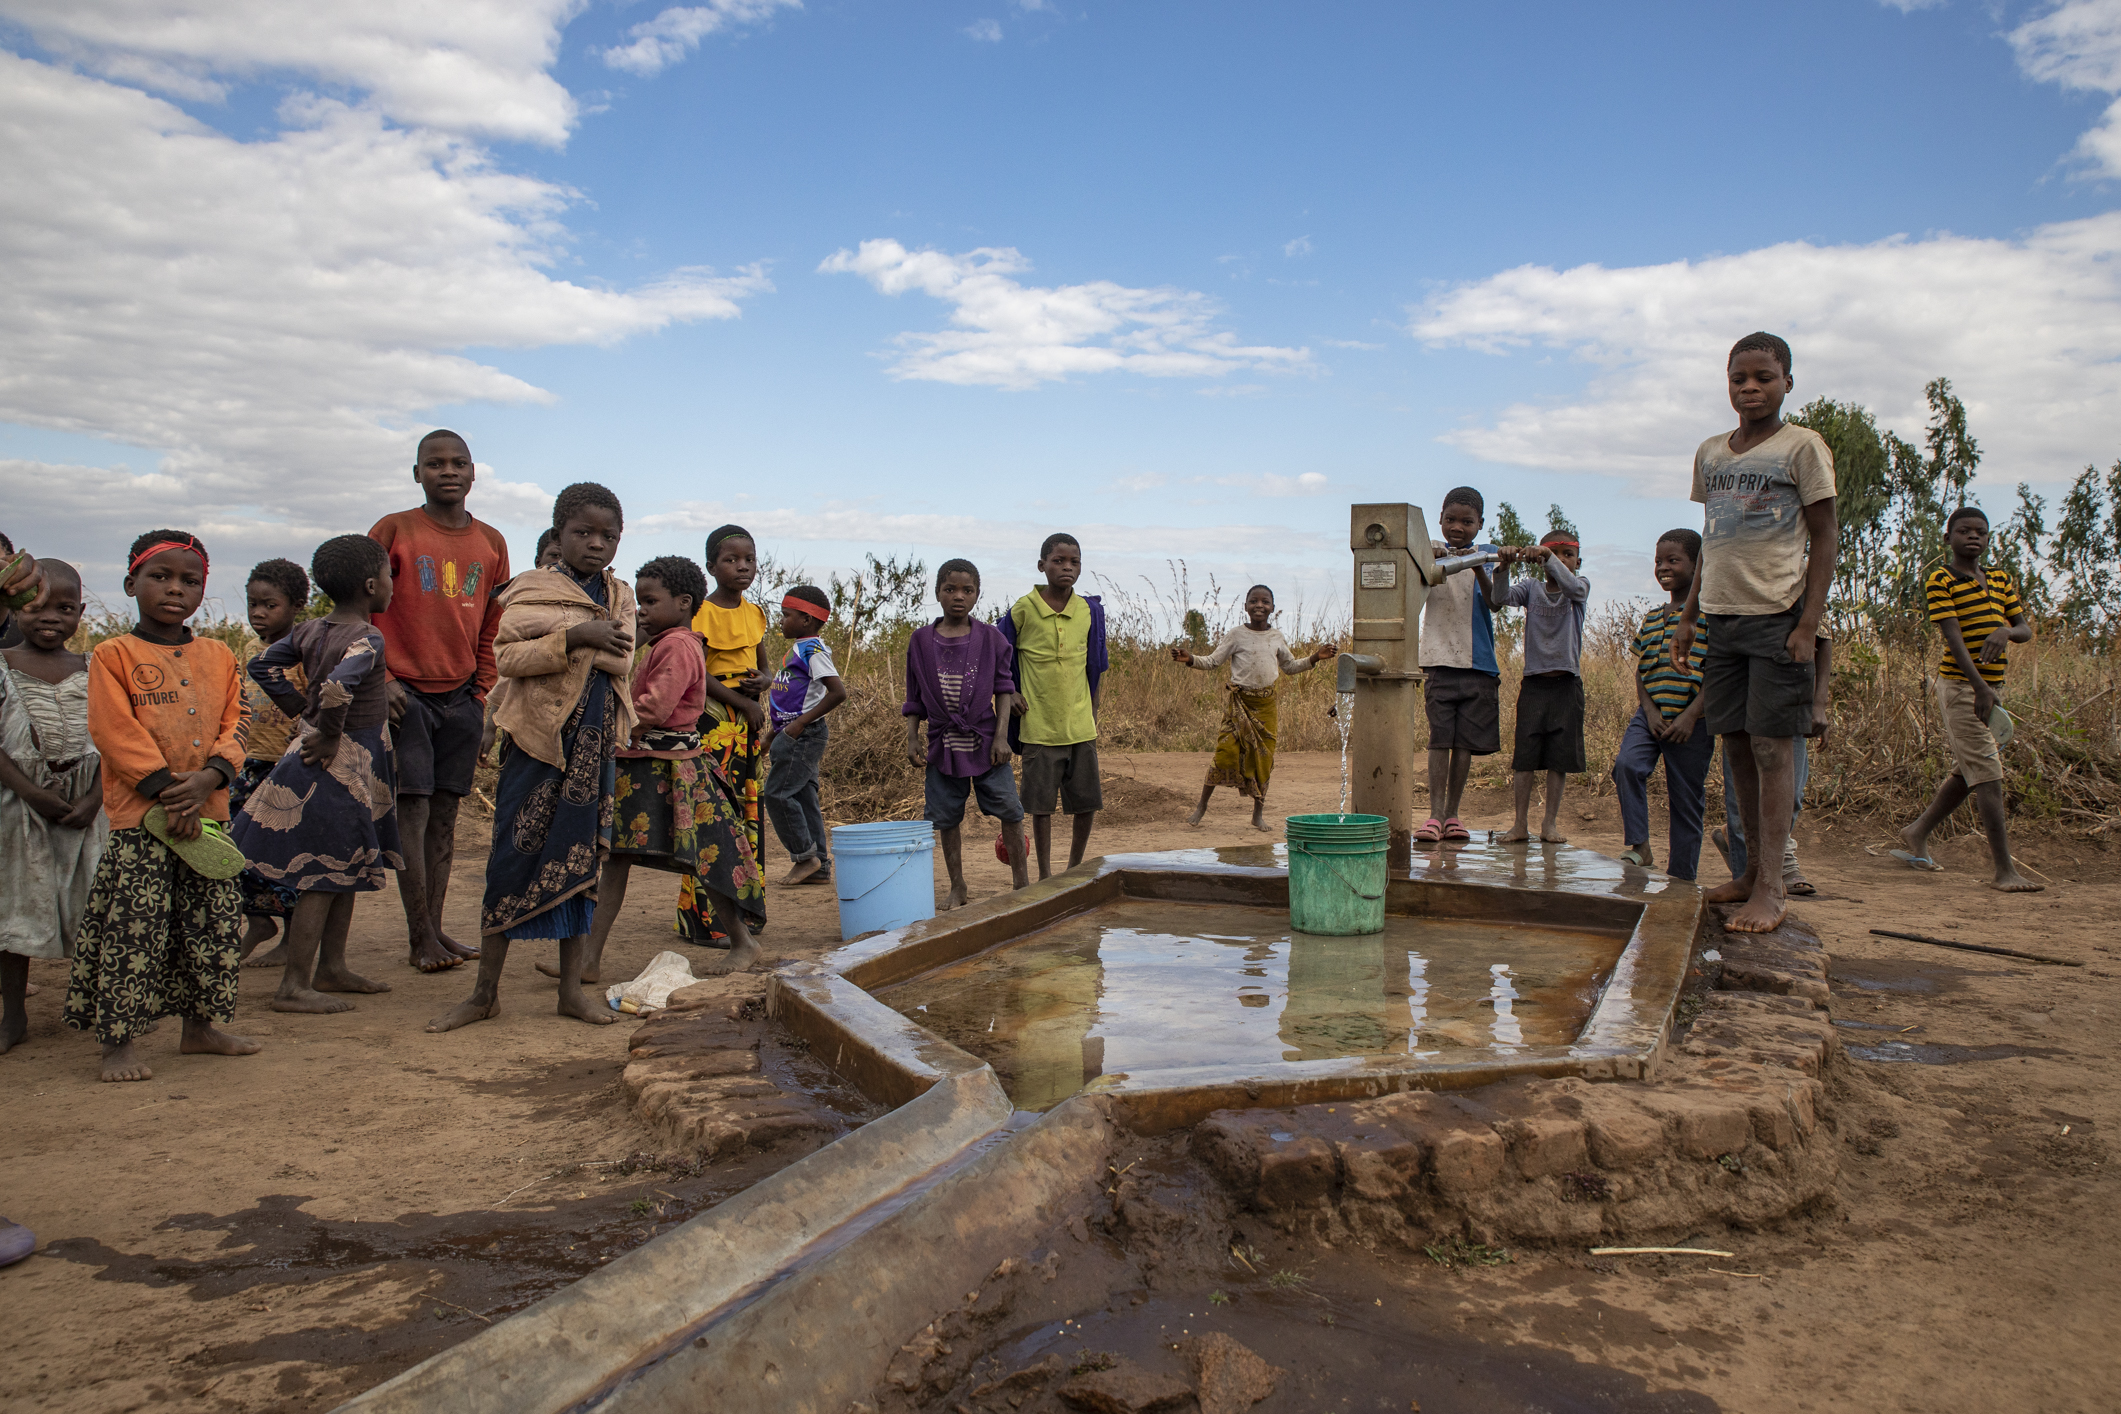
[(278, 591), (1258, 657), (961, 685), (157, 938), (672, 809), (733, 731), (51, 797), (324, 824), (565, 656)]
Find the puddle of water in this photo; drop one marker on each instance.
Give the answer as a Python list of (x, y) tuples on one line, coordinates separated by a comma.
[(1140, 986), (1938, 1053)]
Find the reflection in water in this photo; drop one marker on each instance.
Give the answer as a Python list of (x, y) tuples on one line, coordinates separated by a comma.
[(1139, 986)]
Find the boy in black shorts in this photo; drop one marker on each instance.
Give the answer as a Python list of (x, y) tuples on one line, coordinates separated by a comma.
[(1458, 658), (438, 646), (1767, 557)]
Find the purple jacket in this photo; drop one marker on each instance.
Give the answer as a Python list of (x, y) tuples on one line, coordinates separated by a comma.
[(960, 736)]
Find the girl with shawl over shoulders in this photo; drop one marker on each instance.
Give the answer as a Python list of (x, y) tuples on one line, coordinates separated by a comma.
[(565, 655), (1258, 657)]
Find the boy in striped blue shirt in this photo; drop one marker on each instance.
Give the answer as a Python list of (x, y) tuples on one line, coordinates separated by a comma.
[(1667, 722)]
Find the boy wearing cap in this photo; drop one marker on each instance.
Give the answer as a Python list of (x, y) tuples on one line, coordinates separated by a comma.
[(1550, 698), (806, 688)]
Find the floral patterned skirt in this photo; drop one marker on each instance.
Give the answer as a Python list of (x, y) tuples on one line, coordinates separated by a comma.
[(731, 746), (552, 827), (156, 940), (679, 815)]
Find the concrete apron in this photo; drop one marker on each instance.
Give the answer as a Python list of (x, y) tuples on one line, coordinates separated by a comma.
[(793, 1295)]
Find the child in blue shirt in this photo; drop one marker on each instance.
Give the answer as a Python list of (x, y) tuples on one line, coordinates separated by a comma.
[(806, 688)]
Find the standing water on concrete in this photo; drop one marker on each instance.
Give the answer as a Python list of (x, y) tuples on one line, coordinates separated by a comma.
[(1142, 985)]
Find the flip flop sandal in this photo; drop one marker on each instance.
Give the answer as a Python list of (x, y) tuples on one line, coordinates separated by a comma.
[(1629, 856), (211, 854), (1453, 831), (1799, 885), (16, 1242), (1430, 832), (1917, 861)]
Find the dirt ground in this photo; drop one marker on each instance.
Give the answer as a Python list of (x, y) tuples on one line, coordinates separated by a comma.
[(280, 1231)]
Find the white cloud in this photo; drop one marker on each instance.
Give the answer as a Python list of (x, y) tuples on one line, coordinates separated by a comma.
[(663, 41), (477, 66), (1300, 246), (1351, 344), (985, 31), (270, 316), (1268, 483), (1032, 7), (1012, 335), (2077, 44), (2029, 331), (1908, 7)]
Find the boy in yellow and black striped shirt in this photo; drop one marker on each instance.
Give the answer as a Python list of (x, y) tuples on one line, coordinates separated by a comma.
[(1971, 604), (1667, 722)]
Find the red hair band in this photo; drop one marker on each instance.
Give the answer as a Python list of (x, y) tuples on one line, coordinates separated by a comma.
[(1550, 544), (159, 546), (806, 606)]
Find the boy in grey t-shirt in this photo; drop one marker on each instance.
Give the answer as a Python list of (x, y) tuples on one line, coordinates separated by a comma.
[(1767, 557), (1550, 696)]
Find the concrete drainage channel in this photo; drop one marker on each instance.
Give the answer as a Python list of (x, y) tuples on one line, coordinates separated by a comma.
[(810, 1290)]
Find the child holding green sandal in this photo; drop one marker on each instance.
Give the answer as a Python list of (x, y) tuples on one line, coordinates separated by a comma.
[(158, 937)]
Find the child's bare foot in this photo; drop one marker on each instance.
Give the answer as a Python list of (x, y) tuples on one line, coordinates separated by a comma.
[(2009, 881), (307, 1001), (1195, 818), (120, 1063), (1735, 891), (590, 978), (1518, 834), (956, 898), (13, 1032), (1762, 912), (271, 957), (1917, 841), (594, 1010), (464, 1013), (454, 948), (1259, 816), (740, 957), (31, 989), (430, 956), (339, 979), (1549, 837), (203, 1038), (804, 871)]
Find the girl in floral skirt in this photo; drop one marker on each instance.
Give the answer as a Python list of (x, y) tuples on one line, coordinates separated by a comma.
[(324, 824), (733, 731), (672, 808)]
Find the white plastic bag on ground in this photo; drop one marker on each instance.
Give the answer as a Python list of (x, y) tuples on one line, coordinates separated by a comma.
[(650, 991)]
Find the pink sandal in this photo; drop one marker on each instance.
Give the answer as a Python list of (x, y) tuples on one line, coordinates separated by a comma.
[(1453, 831), (1430, 832)]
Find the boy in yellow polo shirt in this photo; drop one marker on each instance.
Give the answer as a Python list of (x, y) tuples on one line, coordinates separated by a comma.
[(1059, 639)]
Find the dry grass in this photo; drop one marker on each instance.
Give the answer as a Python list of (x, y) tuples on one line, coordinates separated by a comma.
[(1883, 760)]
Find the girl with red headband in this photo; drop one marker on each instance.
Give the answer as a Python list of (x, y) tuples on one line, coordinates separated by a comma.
[(161, 935), (1550, 697)]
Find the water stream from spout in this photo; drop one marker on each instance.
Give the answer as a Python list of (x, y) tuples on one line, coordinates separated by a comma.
[(1346, 717)]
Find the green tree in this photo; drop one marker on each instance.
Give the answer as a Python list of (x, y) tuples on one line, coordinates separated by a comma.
[(2087, 543), (1558, 522), (2015, 547), (1863, 498)]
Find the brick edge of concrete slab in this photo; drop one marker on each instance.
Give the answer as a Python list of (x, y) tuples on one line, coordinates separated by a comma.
[(584, 1342), (1729, 1129)]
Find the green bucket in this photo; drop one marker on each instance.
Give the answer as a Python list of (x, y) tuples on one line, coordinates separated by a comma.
[(1337, 874)]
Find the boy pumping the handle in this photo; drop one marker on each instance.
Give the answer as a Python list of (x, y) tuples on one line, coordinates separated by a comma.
[(1463, 691), (1550, 694), (960, 685)]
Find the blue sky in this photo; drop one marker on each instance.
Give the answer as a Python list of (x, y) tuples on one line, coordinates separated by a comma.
[(1186, 279)]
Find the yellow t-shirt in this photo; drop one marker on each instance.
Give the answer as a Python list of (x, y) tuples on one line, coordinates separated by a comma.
[(733, 637), (1052, 651)]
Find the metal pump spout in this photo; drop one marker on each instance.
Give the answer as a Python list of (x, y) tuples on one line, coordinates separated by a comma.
[(1352, 665), (1452, 564)]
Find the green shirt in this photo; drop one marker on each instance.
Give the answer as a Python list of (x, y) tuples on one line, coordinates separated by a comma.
[(1052, 671)]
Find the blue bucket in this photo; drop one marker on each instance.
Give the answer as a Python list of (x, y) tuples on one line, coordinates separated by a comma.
[(884, 873)]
